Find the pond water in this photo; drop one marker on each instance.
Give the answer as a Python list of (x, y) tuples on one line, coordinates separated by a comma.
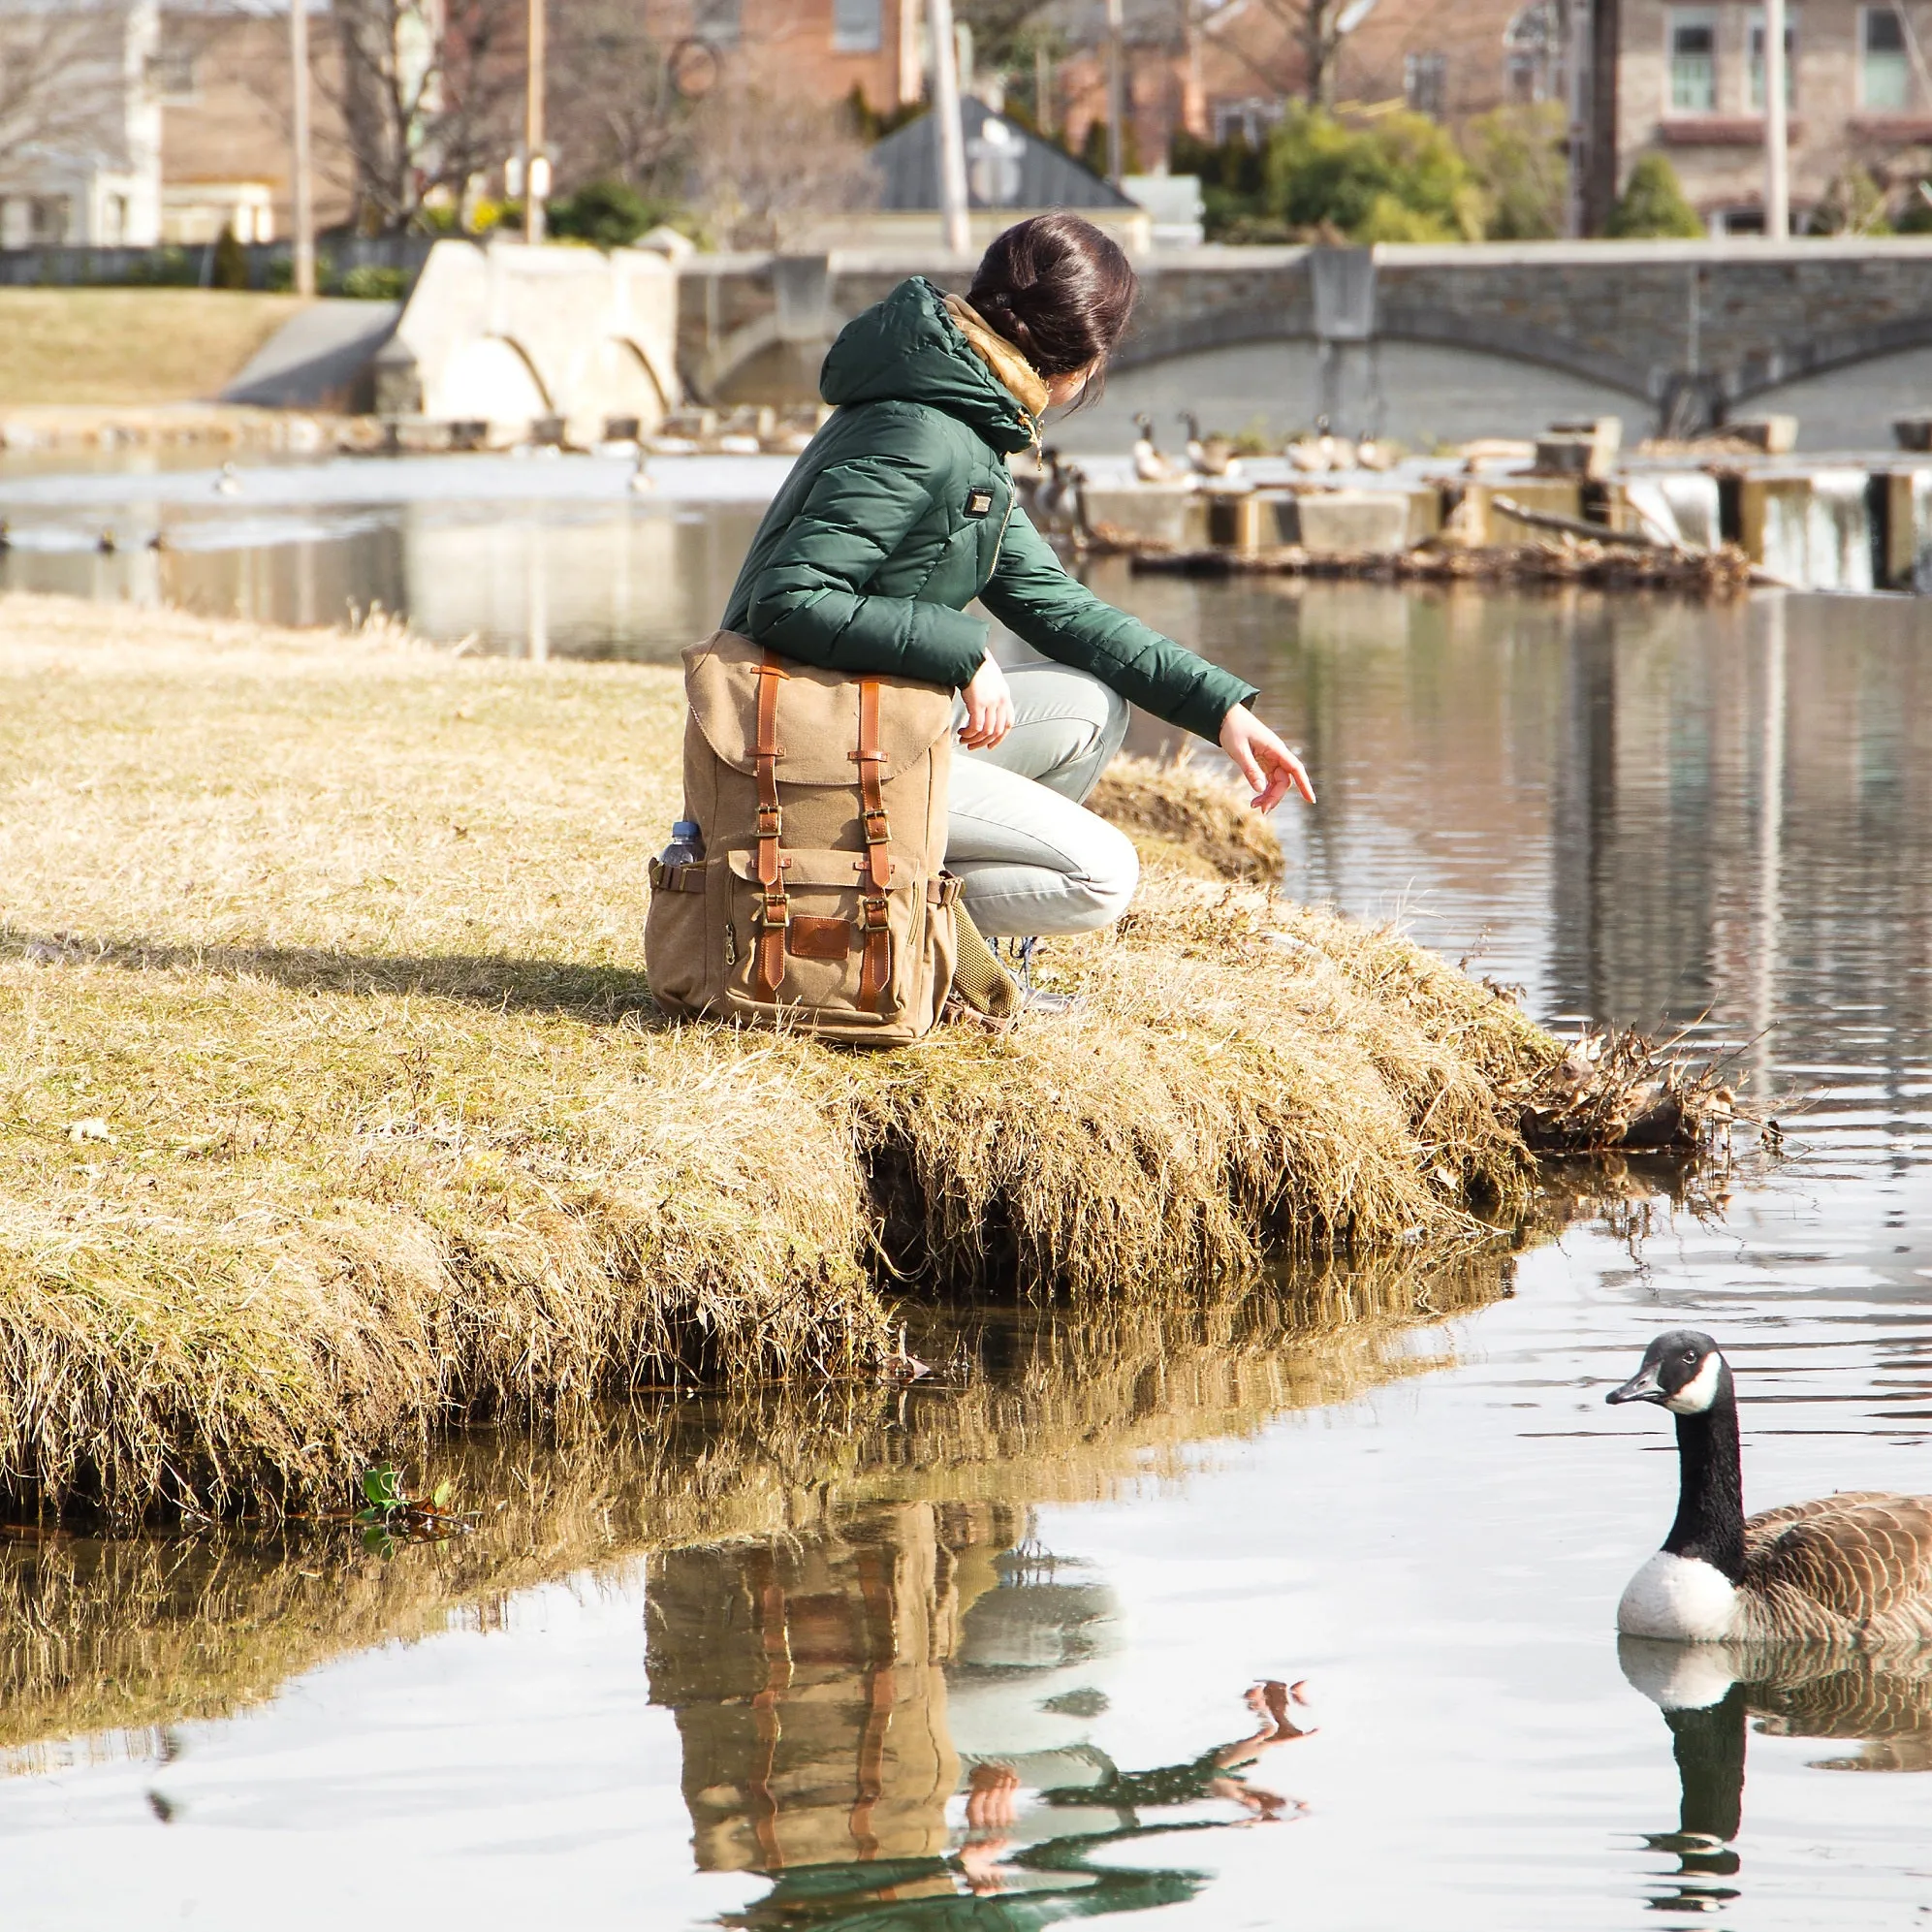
[(982, 1653)]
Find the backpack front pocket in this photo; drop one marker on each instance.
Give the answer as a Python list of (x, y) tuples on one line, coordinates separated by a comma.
[(829, 939), (677, 944)]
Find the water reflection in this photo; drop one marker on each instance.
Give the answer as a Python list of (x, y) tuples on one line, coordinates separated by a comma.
[(912, 1498), (890, 1720), (1881, 1701)]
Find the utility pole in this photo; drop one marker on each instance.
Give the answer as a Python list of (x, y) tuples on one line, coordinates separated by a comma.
[(303, 192), (1777, 132), (1573, 16), (1117, 91), (952, 136), (536, 163), (1600, 181)]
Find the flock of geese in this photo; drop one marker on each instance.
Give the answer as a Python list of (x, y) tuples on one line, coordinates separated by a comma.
[(1049, 486), (1215, 457)]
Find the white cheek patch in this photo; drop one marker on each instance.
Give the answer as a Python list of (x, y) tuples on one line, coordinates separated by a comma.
[(1699, 1392), (1683, 1598)]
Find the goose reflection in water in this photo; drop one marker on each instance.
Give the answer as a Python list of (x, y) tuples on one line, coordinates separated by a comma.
[(1709, 1693), (843, 1699)]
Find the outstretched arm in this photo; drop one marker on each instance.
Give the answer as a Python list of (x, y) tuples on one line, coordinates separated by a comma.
[(1032, 596)]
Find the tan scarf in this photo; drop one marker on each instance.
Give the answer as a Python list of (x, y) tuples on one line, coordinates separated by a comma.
[(1010, 369)]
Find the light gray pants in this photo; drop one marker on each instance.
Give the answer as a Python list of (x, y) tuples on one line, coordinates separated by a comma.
[(1033, 862)]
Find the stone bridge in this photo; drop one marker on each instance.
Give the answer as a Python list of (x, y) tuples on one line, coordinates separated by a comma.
[(1677, 334), (506, 336)]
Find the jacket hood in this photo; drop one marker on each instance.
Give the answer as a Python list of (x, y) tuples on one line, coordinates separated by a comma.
[(908, 349)]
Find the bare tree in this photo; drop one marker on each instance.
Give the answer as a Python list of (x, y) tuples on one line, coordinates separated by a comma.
[(429, 93), (1301, 54), (768, 160), (62, 82), (612, 98)]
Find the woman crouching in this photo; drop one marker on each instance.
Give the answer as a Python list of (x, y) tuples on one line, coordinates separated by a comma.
[(901, 512)]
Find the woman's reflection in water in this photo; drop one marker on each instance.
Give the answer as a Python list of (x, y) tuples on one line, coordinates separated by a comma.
[(836, 1692), (1708, 1693)]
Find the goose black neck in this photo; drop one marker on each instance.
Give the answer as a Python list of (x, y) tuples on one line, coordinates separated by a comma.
[(1710, 1485)]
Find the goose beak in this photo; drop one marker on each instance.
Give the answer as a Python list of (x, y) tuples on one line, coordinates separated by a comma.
[(1643, 1386)]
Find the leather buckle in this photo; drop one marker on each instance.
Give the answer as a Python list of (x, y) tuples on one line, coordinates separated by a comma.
[(877, 831), (877, 914), (771, 821), (778, 909)]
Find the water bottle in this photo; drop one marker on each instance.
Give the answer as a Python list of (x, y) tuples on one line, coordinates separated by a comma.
[(686, 846)]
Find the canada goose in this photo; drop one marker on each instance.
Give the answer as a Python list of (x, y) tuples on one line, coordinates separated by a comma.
[(1150, 465), (1058, 498), (1208, 456), (228, 483), (107, 542), (1313, 455), (159, 541), (1855, 1568), (1372, 453), (642, 481), (1030, 473)]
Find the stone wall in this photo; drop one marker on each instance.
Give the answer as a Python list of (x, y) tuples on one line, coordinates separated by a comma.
[(1697, 327)]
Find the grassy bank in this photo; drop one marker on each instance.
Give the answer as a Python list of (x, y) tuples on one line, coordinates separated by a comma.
[(111, 1641), (332, 1104), (130, 345)]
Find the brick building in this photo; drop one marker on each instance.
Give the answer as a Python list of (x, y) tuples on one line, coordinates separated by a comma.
[(827, 47), (1690, 83), (223, 81), (1228, 68)]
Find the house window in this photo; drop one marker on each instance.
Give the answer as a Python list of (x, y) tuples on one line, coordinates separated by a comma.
[(172, 72), (1693, 60), (1533, 54), (857, 25), (716, 22), (1758, 59), (1425, 83), (1885, 76), (1251, 120)]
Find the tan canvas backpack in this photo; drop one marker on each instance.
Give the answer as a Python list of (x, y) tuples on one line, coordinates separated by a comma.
[(821, 902)]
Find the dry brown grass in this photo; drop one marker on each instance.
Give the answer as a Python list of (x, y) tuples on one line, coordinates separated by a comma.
[(130, 345), (337, 941), (109, 1641), (1184, 819)]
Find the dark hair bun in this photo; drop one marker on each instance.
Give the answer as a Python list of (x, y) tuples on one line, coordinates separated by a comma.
[(1059, 290)]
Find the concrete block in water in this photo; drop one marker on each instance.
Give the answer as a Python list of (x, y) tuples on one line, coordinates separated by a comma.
[(1330, 523), (1472, 518), (1814, 531), (1172, 515), (1774, 435), (1587, 448), (1901, 500)]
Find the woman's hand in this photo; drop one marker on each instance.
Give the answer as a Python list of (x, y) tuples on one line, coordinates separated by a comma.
[(1265, 762), (989, 707)]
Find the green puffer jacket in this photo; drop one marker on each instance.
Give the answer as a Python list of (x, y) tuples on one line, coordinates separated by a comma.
[(901, 512)]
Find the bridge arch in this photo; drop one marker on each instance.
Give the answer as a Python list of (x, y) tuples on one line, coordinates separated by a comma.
[(1397, 322)]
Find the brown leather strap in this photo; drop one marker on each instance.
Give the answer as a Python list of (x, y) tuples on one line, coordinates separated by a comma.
[(875, 913), (676, 879), (775, 910)]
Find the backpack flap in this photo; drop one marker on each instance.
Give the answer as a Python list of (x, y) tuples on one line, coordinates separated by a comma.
[(818, 714)]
